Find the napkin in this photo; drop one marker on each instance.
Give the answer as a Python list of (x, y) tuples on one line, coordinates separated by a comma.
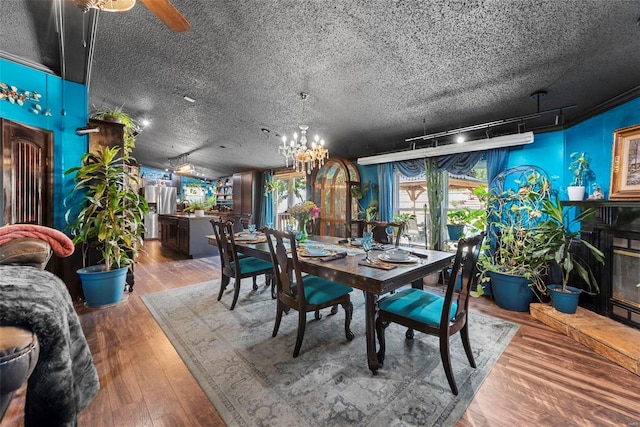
[(337, 255)]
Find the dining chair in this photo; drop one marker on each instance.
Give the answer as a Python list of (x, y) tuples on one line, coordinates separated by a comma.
[(380, 234), (303, 294), (435, 314), (238, 268)]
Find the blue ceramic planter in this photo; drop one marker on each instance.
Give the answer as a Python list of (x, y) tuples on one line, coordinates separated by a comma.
[(565, 302), (455, 231), (511, 292), (102, 287)]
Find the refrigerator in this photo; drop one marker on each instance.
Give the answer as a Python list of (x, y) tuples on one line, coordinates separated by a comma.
[(162, 200)]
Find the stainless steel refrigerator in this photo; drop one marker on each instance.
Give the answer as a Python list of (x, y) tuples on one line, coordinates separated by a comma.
[(162, 200)]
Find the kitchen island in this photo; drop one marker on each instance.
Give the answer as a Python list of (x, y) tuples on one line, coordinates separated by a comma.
[(186, 233)]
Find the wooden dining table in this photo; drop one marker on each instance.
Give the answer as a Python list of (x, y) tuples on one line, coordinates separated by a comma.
[(348, 270)]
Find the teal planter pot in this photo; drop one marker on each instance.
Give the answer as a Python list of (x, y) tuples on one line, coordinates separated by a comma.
[(455, 231), (101, 287), (511, 292), (565, 302)]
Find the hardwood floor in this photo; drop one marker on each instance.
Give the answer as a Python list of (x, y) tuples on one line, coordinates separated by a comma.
[(543, 378)]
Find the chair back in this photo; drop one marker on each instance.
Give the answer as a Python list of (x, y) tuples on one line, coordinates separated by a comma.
[(286, 271), (226, 245), (379, 231), (465, 265)]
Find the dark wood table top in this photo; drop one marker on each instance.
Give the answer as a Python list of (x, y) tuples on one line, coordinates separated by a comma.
[(347, 270)]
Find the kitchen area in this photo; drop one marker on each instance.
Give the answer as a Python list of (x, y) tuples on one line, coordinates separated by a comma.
[(235, 196)]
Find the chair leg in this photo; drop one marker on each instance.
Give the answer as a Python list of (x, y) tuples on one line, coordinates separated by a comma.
[(334, 309), (446, 362), (224, 281), (236, 293), (302, 324), (317, 315), (279, 310), (274, 294), (348, 314), (464, 335), (255, 284), (380, 327), (409, 334)]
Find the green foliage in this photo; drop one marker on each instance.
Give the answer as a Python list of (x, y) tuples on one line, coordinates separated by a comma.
[(434, 180), (554, 240), (131, 127), (279, 189), (112, 212), (512, 216), (580, 168)]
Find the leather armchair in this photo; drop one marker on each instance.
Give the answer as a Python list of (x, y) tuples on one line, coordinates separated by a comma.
[(19, 348)]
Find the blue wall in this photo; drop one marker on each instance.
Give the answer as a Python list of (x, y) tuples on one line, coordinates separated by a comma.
[(551, 151), (68, 104)]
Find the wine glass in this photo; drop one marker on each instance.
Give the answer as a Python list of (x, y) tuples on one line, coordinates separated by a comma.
[(298, 235), (269, 225), (252, 228), (389, 231), (367, 244)]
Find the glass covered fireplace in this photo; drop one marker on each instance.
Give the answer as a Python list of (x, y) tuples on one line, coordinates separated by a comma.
[(625, 279), (615, 230)]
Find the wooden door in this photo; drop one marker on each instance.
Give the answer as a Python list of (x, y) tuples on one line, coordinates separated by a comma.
[(26, 174)]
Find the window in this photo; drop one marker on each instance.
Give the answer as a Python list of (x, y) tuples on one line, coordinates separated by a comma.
[(291, 189), (412, 196)]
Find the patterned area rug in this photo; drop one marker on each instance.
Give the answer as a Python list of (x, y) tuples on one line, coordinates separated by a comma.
[(252, 378)]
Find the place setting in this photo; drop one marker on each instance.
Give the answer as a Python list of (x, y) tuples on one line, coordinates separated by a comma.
[(251, 235), (320, 253)]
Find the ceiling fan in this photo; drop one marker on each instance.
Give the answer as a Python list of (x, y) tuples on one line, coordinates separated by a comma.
[(161, 8)]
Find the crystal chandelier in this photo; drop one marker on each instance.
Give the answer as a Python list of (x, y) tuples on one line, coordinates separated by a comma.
[(301, 155)]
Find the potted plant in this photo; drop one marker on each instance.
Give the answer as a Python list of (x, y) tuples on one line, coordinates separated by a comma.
[(582, 173), (557, 246), (456, 222), (514, 209), (117, 115), (110, 219), (197, 207), (303, 213)]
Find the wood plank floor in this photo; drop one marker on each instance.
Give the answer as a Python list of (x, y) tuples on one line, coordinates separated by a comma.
[(543, 378)]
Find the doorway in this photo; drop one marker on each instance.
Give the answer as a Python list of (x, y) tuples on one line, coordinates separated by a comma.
[(26, 175)]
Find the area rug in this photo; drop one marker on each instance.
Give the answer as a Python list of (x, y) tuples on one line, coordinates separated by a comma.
[(252, 378)]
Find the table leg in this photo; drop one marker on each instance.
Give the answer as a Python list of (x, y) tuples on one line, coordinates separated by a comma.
[(370, 314)]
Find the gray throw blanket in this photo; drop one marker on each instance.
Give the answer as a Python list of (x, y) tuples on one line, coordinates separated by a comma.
[(65, 378)]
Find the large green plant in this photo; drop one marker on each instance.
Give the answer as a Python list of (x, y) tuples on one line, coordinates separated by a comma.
[(513, 214), (111, 211), (554, 242)]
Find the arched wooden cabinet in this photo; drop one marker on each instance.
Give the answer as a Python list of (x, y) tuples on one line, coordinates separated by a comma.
[(331, 185)]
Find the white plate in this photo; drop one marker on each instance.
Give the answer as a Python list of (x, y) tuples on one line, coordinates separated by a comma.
[(316, 252), (356, 243), (249, 238), (407, 260)]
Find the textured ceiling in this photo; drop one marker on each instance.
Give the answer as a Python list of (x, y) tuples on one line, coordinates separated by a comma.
[(376, 71)]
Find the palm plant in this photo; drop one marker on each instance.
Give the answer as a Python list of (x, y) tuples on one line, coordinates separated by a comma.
[(555, 243)]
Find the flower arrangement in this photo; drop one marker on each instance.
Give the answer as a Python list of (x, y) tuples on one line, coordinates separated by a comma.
[(305, 211)]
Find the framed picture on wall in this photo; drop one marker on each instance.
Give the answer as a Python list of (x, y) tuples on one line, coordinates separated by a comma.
[(625, 169)]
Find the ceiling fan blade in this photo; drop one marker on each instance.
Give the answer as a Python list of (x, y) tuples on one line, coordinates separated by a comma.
[(167, 14)]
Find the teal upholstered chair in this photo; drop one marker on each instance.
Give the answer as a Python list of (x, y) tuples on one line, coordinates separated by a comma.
[(435, 314), (303, 293), (235, 267)]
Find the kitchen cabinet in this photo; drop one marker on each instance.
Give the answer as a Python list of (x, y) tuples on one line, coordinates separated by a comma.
[(186, 233), (246, 194)]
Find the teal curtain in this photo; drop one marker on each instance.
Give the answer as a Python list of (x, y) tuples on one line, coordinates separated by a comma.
[(497, 161), (385, 189), (266, 211)]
